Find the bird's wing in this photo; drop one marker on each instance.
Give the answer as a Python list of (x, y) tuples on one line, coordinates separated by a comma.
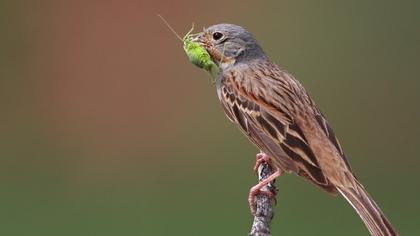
[(259, 107), (319, 135), (327, 130)]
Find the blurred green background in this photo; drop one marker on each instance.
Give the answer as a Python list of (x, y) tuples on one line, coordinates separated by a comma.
[(107, 129)]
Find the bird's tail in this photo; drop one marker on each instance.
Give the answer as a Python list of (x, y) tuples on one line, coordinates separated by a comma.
[(368, 210)]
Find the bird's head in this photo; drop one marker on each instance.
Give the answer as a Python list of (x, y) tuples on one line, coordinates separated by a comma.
[(228, 44)]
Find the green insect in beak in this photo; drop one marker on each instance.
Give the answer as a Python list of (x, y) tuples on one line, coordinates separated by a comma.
[(196, 53)]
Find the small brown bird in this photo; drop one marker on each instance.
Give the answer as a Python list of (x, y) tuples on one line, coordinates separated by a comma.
[(276, 113)]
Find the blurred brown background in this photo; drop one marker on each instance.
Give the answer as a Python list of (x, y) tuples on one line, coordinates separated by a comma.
[(107, 129)]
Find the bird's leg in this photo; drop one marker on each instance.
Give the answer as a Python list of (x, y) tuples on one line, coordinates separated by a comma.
[(258, 189), (260, 159)]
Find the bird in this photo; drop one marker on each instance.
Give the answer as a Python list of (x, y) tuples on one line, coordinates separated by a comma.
[(277, 114)]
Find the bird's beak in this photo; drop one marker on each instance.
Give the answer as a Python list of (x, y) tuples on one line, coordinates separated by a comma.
[(200, 38)]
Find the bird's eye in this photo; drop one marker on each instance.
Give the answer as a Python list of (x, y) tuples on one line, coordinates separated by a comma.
[(217, 35)]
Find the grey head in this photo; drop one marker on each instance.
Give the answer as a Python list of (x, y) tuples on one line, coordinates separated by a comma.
[(228, 41)]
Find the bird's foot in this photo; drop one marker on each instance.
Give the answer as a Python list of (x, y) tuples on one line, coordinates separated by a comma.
[(260, 159), (259, 189)]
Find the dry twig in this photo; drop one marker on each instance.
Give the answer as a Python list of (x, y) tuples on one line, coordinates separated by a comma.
[(264, 204)]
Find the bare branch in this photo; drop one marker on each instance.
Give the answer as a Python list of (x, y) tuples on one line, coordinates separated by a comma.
[(265, 204)]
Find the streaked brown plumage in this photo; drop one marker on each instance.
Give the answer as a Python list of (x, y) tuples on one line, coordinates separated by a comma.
[(276, 113)]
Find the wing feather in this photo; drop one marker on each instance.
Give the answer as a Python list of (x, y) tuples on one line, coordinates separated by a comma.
[(273, 130)]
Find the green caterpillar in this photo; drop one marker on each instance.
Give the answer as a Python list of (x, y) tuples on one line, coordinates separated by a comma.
[(196, 53)]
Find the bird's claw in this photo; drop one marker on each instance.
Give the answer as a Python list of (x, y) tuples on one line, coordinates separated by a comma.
[(253, 193), (260, 159)]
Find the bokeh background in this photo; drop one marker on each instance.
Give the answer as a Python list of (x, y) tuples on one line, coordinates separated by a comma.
[(107, 129)]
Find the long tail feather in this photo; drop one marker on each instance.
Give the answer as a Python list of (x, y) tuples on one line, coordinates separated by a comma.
[(368, 210)]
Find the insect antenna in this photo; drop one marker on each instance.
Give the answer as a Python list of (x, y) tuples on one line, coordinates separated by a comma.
[(169, 26), (188, 34), (223, 53)]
